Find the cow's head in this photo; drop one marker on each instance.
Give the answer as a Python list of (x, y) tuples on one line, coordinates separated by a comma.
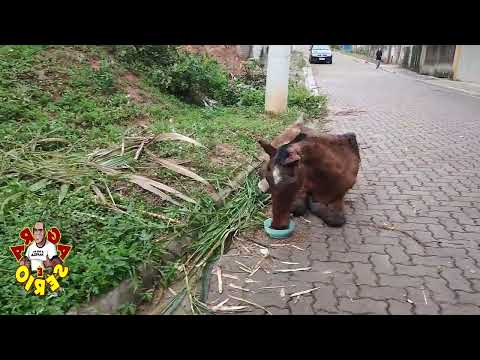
[(284, 178)]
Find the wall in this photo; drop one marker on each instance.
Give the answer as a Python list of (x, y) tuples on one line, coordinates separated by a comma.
[(244, 51), (437, 60), (469, 63), (395, 54), (406, 49)]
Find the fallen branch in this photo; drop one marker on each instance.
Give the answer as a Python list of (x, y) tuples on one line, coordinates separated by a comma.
[(304, 292), (174, 166), (219, 305), (277, 287), (228, 276), (137, 154), (219, 279), (233, 286), (251, 303), (293, 270), (155, 215)]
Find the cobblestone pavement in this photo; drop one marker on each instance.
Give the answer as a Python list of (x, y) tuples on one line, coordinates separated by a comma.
[(420, 176)]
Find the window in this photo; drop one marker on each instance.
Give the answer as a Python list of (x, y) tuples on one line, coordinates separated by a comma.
[(320, 47)]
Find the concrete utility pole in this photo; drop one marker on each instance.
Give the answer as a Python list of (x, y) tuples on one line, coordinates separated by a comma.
[(278, 68)]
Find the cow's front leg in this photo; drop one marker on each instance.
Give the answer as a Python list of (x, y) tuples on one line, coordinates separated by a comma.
[(299, 206), (332, 214), (337, 212)]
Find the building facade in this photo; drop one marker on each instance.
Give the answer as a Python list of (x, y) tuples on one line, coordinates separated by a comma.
[(466, 64)]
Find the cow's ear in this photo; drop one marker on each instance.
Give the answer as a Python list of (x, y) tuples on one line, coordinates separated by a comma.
[(269, 149), (298, 138), (293, 157)]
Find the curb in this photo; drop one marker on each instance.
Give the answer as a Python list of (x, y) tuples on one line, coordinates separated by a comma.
[(110, 303)]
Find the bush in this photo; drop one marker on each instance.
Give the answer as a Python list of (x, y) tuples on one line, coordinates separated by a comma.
[(193, 77), (250, 96), (146, 55), (313, 106), (103, 78), (254, 74)]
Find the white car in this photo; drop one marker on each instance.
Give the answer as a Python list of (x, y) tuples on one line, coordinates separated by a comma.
[(321, 53)]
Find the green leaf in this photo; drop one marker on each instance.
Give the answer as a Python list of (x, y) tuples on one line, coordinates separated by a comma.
[(39, 185), (10, 198), (63, 192)]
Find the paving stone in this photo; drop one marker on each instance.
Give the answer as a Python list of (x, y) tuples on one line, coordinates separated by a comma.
[(382, 264), (269, 297), (368, 248), (399, 307), (380, 292), (412, 247), (325, 298), (337, 244), (399, 281), (469, 298), (469, 267), (422, 302), (417, 270), (345, 285), (459, 309), (455, 279), (364, 274), (277, 311), (382, 239), (432, 261), (349, 257), (451, 225), (466, 236), (476, 284), (397, 254), (303, 306), (439, 231), (363, 306), (445, 252)]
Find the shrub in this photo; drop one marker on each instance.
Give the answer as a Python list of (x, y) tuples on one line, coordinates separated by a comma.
[(250, 96), (103, 78), (146, 55), (254, 74), (193, 77), (313, 106)]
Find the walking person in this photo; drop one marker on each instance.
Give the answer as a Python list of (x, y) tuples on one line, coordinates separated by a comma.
[(378, 56)]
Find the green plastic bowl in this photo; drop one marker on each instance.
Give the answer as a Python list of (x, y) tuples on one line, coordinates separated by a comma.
[(278, 234)]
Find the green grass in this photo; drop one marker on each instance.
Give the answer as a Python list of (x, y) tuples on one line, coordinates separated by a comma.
[(53, 92)]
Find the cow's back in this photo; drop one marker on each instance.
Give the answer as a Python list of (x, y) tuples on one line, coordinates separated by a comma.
[(332, 163)]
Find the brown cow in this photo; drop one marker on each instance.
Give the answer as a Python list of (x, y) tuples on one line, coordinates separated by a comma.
[(312, 171)]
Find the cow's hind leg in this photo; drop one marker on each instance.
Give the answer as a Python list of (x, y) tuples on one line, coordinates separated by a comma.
[(332, 214)]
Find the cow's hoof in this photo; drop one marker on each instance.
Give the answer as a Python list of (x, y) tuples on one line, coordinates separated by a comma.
[(317, 208), (299, 207), (335, 220), (331, 217)]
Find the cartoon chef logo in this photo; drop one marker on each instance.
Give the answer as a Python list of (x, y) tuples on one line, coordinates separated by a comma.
[(43, 255)]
